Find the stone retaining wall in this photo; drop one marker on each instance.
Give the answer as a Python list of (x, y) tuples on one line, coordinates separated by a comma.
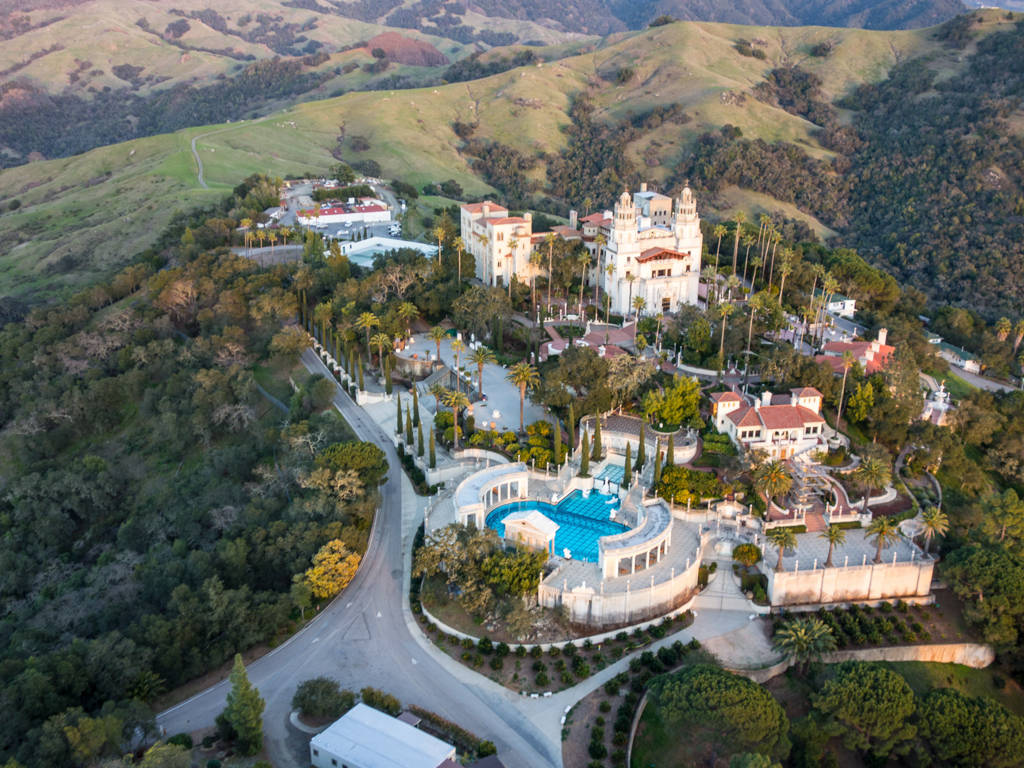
[(974, 655)]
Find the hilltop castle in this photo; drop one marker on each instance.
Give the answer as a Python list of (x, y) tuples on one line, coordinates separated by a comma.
[(649, 245)]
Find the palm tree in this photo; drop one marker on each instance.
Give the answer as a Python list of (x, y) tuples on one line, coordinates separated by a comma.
[(407, 312), (782, 538), (639, 304), (480, 357), (848, 361), (756, 263), (513, 246), (457, 401), (536, 259), (710, 276), (459, 246), (245, 224), (1018, 334), (629, 279), (740, 218), (804, 640), (379, 340), (829, 288), (934, 523), (759, 302), (718, 232), (436, 335), (872, 473), (438, 233), (1003, 328), (885, 530), (608, 270), (286, 235), (523, 375), (587, 203), (833, 535), (584, 261), (785, 269), (549, 241), (773, 479), (366, 321), (457, 348), (484, 240), (776, 237), (748, 240), (724, 309)]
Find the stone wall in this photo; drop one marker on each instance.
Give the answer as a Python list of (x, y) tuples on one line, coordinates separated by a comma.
[(640, 602), (972, 655), (880, 581)]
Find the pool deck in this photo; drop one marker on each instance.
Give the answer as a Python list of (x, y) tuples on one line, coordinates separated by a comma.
[(572, 574)]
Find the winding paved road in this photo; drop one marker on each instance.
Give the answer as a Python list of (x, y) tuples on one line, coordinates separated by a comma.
[(367, 636)]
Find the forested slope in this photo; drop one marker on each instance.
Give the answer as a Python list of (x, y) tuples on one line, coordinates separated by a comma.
[(158, 513)]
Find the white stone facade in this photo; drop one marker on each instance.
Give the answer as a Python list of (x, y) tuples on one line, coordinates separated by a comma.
[(500, 243), (656, 256)]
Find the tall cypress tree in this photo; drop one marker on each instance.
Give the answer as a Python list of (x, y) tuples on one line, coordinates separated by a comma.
[(398, 423), (585, 455), (572, 427), (419, 440), (657, 462), (244, 710), (415, 408), (408, 428), (388, 386), (597, 437), (641, 450), (558, 441), (627, 469), (670, 452), (362, 387), (433, 455)]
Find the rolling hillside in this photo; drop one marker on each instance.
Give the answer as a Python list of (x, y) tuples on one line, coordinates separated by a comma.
[(88, 214)]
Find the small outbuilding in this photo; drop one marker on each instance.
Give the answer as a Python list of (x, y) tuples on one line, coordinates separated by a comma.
[(368, 738)]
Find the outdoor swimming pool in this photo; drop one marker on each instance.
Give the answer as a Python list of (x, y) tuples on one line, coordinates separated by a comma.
[(581, 521)]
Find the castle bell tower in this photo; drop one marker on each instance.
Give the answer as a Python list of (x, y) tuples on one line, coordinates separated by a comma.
[(624, 224), (687, 226)]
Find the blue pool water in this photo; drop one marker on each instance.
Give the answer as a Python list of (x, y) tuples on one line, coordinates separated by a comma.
[(581, 521), (613, 473)]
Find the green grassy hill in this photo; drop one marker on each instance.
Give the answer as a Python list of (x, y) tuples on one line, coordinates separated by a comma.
[(86, 215)]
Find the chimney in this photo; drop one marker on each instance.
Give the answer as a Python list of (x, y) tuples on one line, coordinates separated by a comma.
[(882, 335), (529, 217), (486, 209), (766, 398), (643, 186), (573, 219)]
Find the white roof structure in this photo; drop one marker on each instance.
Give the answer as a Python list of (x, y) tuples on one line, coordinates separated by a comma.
[(367, 738), (534, 519)]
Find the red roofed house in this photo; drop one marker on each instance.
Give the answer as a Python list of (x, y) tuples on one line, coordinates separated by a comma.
[(364, 210), (872, 355), (779, 425), (500, 243)]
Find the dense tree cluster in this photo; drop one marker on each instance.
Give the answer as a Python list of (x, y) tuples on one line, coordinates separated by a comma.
[(163, 511)]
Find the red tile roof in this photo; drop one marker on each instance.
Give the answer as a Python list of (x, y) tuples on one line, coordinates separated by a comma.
[(499, 220), (479, 207), (720, 397), (745, 417), (788, 416), (656, 254), (596, 218), (806, 392)]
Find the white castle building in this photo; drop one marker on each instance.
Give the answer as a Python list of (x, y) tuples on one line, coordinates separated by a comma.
[(652, 252), (649, 245)]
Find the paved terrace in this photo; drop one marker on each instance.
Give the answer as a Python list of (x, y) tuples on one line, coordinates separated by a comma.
[(501, 404), (684, 550), (858, 549)]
